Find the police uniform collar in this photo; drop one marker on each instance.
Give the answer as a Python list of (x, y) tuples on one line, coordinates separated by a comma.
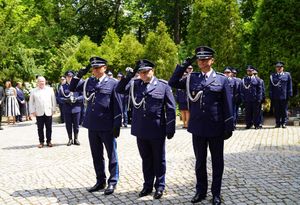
[(102, 78), (209, 73)]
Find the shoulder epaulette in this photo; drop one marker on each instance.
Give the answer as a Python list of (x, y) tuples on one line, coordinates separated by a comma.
[(220, 73), (163, 81)]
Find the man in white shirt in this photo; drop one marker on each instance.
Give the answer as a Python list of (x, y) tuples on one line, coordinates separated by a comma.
[(42, 105)]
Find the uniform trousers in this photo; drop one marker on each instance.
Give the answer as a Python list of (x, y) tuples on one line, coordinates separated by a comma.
[(252, 111), (97, 139), (152, 152), (44, 121), (72, 121), (280, 109), (216, 147)]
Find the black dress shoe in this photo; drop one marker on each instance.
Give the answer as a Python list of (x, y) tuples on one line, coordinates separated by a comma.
[(216, 200), (248, 126), (110, 189), (145, 192), (198, 197), (70, 142), (98, 186), (158, 194), (283, 126)]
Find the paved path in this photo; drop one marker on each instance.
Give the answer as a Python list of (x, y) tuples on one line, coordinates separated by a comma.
[(261, 167)]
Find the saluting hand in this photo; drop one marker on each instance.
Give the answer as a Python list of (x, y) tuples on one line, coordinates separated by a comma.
[(188, 61), (83, 71)]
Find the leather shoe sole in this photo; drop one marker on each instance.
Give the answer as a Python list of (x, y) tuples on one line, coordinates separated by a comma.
[(158, 194), (197, 198), (109, 190), (96, 187), (145, 192)]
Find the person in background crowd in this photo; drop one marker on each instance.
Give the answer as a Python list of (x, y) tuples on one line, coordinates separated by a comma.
[(58, 99), (237, 96), (261, 111), (21, 102), (251, 94), (42, 105), (182, 100), (124, 98), (153, 119), (233, 87), (72, 104), (2, 98), (11, 103), (110, 74), (211, 120), (103, 120), (27, 89), (281, 90)]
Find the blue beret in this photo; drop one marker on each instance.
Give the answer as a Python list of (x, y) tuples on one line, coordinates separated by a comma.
[(227, 69), (204, 52), (97, 62), (279, 64), (69, 73), (144, 64)]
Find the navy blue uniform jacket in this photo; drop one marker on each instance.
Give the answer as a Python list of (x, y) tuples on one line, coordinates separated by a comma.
[(212, 115)]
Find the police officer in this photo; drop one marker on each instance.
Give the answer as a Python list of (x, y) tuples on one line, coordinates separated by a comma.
[(261, 112), (103, 120), (211, 118), (234, 90), (280, 91), (72, 104), (237, 96), (251, 94), (153, 118)]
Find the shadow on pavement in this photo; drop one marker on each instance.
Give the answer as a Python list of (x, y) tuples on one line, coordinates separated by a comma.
[(31, 146)]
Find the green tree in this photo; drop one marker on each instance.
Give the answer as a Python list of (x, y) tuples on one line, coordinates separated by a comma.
[(216, 23), (130, 50), (276, 37), (109, 48), (161, 49)]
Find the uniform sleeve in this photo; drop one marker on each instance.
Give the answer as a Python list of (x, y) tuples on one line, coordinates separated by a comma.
[(259, 90), (175, 80), (170, 111), (31, 102), (242, 92), (122, 87), (76, 84), (117, 105), (263, 90), (227, 102), (289, 87), (271, 89), (53, 99)]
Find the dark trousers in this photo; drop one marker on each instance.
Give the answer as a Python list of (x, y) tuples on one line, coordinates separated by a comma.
[(22, 107), (153, 157), (216, 147), (261, 115), (252, 111), (125, 116), (72, 121), (61, 110), (280, 110), (47, 122), (97, 139)]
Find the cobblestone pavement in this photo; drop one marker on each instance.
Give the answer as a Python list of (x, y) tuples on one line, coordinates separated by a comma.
[(261, 167)]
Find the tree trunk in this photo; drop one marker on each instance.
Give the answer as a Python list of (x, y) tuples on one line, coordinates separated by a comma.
[(177, 22)]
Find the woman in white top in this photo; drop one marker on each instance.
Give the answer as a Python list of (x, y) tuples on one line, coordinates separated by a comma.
[(11, 103)]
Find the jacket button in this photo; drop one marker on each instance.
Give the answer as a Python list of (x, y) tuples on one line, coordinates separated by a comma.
[(203, 111)]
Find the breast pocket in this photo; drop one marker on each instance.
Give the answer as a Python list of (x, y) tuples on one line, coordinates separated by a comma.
[(155, 104)]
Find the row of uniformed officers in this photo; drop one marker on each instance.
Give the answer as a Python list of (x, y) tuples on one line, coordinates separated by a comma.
[(213, 99)]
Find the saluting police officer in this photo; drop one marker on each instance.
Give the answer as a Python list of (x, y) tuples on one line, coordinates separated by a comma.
[(103, 120), (153, 118), (72, 105), (251, 94), (211, 118), (281, 90)]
